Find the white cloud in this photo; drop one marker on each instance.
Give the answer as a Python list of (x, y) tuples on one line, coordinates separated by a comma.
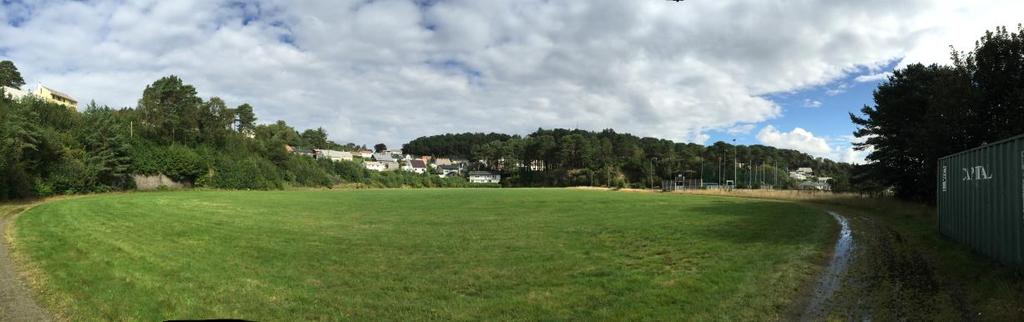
[(839, 89), (873, 77), (392, 70), (838, 149), (797, 139), (741, 129), (812, 103), (851, 155)]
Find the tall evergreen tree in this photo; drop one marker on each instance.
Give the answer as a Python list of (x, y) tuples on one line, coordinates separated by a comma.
[(9, 75), (170, 108), (923, 113), (245, 119)]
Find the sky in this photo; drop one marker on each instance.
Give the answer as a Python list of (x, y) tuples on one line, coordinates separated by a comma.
[(772, 72)]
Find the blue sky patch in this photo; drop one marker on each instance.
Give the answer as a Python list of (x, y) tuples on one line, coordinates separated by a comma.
[(823, 110)]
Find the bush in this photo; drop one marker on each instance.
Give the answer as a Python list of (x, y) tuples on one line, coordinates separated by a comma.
[(177, 162), (308, 172), (249, 173)]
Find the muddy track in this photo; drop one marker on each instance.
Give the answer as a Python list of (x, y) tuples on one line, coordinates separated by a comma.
[(16, 303), (831, 279), (876, 273)]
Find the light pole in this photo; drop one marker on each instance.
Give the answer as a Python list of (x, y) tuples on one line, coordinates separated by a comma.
[(651, 174), (720, 172), (735, 154), (702, 169)]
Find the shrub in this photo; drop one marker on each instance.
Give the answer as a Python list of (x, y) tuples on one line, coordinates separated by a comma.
[(248, 173)]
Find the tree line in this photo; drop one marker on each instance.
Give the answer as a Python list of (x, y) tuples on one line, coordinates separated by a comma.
[(563, 157), (922, 113)]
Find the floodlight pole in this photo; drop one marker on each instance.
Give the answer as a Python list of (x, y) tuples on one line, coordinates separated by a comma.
[(719, 172), (702, 169), (735, 154)]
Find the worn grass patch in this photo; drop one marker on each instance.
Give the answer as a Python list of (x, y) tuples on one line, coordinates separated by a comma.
[(454, 254)]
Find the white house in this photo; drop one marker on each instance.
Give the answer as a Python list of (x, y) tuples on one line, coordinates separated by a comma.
[(484, 177), (417, 166), (14, 93), (365, 154), (797, 176), (333, 155), (383, 157), (391, 165), (448, 170), (375, 166)]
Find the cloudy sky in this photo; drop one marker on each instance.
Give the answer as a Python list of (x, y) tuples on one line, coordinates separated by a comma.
[(780, 73)]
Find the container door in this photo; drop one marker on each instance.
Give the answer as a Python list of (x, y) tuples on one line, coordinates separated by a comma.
[(1020, 218)]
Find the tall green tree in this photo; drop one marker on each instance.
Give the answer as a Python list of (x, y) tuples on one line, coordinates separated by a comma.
[(170, 109), (214, 121), (316, 138), (245, 119), (923, 113), (996, 68), (9, 75)]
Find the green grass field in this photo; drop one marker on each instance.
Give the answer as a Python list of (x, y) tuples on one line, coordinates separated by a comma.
[(462, 254)]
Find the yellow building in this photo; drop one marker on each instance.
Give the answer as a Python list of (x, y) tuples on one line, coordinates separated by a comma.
[(44, 93), (52, 96)]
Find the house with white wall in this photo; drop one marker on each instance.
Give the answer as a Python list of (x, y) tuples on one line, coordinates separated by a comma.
[(333, 155), (375, 166), (484, 177)]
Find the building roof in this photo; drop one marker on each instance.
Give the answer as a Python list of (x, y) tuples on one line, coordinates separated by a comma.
[(442, 161), (481, 173), (334, 154), (383, 157), (417, 163), (58, 93)]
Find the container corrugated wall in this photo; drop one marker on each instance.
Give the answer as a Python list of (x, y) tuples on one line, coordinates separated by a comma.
[(981, 198)]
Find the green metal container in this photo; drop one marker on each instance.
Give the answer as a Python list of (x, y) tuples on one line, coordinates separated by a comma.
[(980, 198)]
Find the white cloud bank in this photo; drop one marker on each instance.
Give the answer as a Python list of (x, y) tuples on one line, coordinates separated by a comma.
[(804, 141), (873, 77), (797, 139), (392, 70)]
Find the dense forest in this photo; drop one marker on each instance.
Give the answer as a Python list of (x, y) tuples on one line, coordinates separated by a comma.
[(562, 157), (923, 113)]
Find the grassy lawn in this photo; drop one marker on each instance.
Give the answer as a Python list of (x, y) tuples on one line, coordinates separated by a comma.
[(462, 254)]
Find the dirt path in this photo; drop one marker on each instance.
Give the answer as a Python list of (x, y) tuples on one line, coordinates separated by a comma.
[(16, 303), (831, 279)]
